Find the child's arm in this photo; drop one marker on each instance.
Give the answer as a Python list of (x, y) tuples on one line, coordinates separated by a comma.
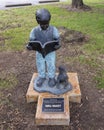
[(56, 36), (32, 35), (31, 38)]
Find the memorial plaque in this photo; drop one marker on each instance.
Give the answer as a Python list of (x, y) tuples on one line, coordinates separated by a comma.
[(53, 105)]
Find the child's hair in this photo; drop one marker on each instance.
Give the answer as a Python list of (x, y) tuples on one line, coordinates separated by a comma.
[(42, 15)]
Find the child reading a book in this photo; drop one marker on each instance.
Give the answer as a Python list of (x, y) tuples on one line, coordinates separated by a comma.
[(45, 59)]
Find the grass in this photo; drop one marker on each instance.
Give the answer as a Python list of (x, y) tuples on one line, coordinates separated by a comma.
[(16, 24), (7, 80), (100, 79)]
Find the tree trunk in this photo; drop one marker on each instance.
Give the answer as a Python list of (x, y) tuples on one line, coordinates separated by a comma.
[(77, 4)]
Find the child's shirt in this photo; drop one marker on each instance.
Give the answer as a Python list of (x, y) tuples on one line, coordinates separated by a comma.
[(50, 34)]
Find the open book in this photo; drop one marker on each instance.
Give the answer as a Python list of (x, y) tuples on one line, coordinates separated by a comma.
[(46, 48)]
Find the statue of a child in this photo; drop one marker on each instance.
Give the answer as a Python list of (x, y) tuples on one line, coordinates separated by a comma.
[(45, 33)]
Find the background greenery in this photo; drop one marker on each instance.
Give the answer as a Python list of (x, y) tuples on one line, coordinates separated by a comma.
[(16, 24)]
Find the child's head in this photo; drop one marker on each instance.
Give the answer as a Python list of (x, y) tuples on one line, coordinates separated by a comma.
[(43, 17)]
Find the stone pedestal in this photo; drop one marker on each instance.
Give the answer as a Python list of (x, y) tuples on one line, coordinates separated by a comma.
[(52, 117)]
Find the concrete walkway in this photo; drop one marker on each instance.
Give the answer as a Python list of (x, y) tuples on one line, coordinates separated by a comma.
[(4, 4)]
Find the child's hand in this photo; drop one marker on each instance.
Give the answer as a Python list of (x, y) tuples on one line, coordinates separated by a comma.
[(28, 47), (57, 46)]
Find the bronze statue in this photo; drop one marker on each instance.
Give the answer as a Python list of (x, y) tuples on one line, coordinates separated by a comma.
[(45, 40), (62, 77)]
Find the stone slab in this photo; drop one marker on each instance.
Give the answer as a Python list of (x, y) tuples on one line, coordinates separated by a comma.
[(52, 118), (20, 4), (74, 95), (48, 1)]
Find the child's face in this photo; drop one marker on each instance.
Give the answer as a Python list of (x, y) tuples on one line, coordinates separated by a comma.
[(44, 25)]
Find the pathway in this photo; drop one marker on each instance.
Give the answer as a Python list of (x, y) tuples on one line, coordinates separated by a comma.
[(4, 3)]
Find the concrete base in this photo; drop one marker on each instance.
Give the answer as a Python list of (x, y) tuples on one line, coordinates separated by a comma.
[(54, 118), (48, 1), (74, 95)]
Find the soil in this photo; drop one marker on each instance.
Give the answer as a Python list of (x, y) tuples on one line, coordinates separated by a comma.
[(17, 114), (77, 9)]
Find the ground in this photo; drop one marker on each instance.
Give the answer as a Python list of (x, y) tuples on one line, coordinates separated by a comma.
[(18, 67)]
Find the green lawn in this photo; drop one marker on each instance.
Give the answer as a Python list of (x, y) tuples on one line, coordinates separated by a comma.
[(16, 24)]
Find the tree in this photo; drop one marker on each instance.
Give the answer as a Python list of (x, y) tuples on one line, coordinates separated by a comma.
[(78, 4)]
